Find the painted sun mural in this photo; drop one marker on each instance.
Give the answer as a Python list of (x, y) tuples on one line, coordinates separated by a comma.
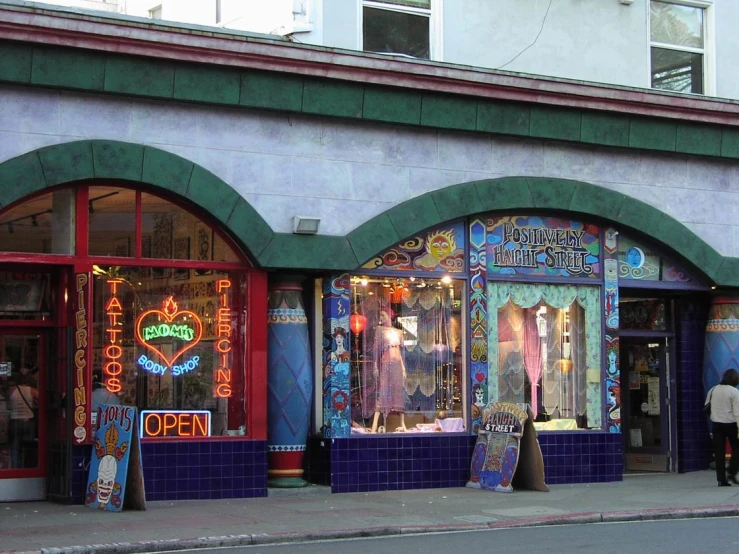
[(438, 250)]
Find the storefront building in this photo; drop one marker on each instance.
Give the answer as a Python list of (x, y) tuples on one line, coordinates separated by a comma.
[(576, 319), (148, 257), (120, 296)]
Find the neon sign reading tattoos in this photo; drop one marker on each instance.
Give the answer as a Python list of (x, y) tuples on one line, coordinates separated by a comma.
[(168, 334), (222, 381), (112, 352)]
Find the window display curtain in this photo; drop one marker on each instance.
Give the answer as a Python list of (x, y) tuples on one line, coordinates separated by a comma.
[(532, 356), (585, 333)]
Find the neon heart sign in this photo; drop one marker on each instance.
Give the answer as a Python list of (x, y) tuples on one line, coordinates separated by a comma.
[(170, 323)]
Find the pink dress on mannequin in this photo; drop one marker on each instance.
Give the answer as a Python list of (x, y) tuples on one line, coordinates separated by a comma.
[(390, 370)]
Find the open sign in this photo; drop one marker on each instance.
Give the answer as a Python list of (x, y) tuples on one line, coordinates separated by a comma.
[(175, 424)]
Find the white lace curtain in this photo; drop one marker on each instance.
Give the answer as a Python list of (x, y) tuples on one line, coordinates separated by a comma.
[(550, 378)]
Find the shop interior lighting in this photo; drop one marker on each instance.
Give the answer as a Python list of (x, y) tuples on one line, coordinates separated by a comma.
[(32, 217), (306, 225), (91, 208)]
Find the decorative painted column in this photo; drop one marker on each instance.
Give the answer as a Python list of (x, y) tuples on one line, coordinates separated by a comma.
[(289, 380), (484, 387), (613, 343), (337, 406), (722, 340)]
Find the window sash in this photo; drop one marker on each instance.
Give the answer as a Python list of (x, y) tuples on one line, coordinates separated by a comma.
[(421, 5), (675, 9)]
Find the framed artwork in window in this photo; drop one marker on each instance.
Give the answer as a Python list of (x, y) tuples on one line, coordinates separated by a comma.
[(161, 245), (182, 252), (122, 247), (203, 246)]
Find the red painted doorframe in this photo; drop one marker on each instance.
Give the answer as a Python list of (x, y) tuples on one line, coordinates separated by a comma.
[(43, 340)]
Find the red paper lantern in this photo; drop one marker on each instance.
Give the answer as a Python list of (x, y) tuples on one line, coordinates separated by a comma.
[(399, 294), (357, 323)]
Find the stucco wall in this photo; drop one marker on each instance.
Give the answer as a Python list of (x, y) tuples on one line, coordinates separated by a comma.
[(601, 41), (594, 41), (348, 172)]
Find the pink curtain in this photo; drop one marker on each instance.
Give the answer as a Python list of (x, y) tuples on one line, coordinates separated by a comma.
[(532, 356)]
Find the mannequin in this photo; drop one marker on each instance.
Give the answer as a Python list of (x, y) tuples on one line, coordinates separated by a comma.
[(390, 372)]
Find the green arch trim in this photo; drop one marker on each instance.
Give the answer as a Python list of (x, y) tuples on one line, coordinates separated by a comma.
[(105, 159), (540, 194)]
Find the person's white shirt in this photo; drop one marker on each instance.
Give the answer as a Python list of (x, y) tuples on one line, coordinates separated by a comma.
[(21, 402), (725, 404)]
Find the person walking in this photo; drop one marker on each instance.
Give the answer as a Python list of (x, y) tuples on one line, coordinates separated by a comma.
[(724, 402)]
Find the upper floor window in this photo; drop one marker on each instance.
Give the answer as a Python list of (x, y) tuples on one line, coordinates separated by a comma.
[(397, 27), (678, 46)]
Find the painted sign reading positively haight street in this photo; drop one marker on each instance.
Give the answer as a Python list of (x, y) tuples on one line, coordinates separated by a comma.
[(542, 246), (116, 477)]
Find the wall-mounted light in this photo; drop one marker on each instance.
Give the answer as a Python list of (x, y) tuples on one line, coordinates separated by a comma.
[(306, 225), (626, 2), (611, 234)]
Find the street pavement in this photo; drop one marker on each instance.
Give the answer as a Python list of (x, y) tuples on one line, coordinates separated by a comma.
[(313, 513)]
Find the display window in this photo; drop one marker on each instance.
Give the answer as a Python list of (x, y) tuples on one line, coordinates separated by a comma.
[(166, 327), (547, 347), (40, 225), (170, 345), (406, 343)]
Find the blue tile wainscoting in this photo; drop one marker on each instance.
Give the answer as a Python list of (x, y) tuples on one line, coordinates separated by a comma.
[(693, 440), (191, 470), (399, 462), (582, 457), (361, 464)]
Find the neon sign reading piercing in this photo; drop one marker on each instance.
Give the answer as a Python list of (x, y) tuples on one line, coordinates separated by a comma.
[(222, 381)]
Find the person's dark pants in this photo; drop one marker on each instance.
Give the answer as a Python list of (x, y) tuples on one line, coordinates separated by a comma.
[(721, 432)]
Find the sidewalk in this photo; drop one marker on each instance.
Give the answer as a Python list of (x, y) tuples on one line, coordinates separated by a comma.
[(313, 512)]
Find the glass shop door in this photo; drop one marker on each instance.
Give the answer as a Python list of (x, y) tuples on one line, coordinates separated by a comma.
[(22, 414), (645, 413)]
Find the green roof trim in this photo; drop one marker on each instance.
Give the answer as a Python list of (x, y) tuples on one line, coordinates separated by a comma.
[(145, 77)]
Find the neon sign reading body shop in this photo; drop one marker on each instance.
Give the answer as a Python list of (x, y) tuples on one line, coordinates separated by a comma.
[(168, 323)]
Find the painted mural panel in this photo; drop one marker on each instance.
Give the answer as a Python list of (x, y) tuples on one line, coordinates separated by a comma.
[(337, 400), (438, 250), (611, 310), (524, 245), (478, 325), (639, 262)]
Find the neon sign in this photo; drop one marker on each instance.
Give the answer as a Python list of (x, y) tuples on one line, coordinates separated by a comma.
[(113, 352), (80, 360), (166, 423), (168, 323), (222, 384)]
